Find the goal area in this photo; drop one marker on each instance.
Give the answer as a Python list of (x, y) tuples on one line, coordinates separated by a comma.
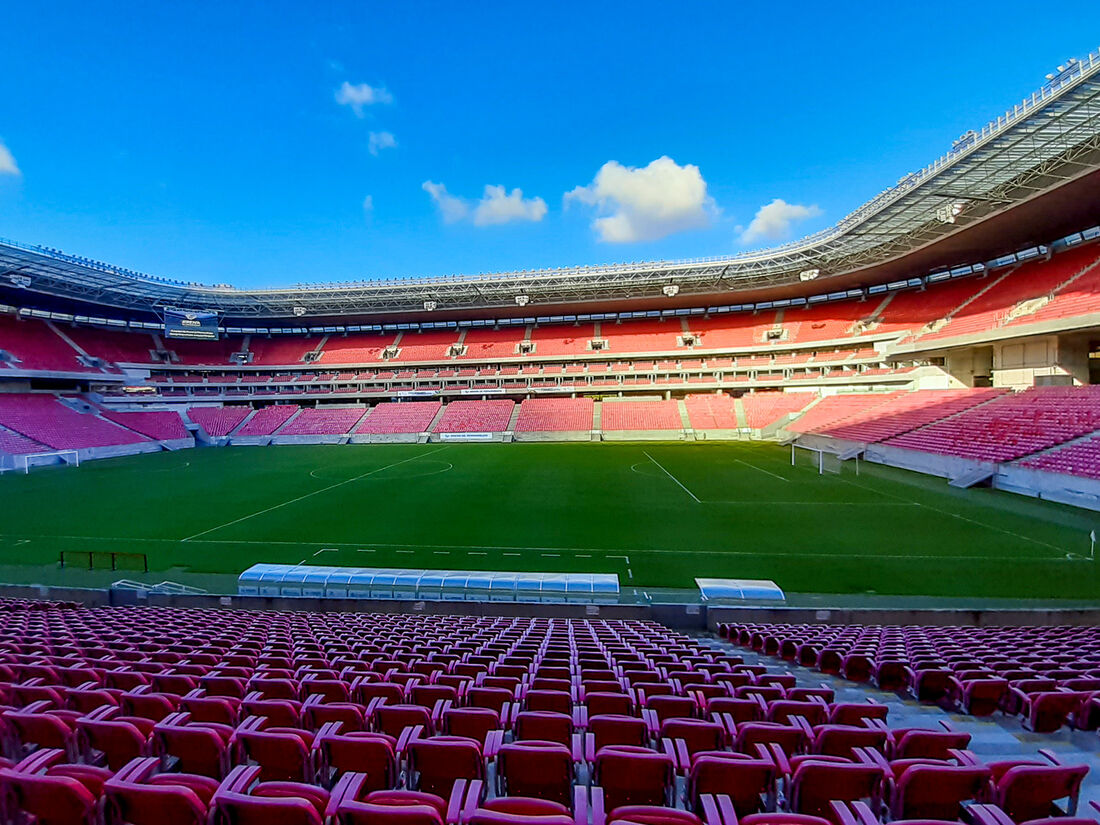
[(822, 461)]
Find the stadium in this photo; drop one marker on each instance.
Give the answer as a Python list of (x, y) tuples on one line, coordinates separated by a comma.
[(802, 535)]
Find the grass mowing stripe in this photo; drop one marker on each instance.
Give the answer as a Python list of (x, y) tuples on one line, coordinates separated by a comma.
[(310, 495)]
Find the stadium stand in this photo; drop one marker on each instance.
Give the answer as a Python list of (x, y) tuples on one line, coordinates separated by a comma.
[(555, 415), (267, 420), (837, 408), (913, 310), (1048, 675), (281, 351), (711, 412), (356, 348), (159, 425), (1079, 459), (14, 443), (641, 415), (909, 411), (1079, 295), (203, 353), (37, 347), (824, 321), (394, 417), (113, 345), (491, 416), (991, 308), (492, 343), (1011, 426), (762, 409), (218, 421), (284, 717), (432, 345), (562, 340), (43, 418), (733, 331), (642, 336), (324, 421)]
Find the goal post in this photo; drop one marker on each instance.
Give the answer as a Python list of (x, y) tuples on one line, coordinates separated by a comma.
[(822, 461), (25, 461)]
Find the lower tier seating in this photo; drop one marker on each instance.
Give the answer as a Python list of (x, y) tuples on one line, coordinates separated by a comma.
[(555, 415), (395, 417), (490, 416), (218, 421), (41, 417), (641, 415)]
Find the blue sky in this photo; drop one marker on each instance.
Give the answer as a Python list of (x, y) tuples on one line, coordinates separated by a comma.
[(232, 142)]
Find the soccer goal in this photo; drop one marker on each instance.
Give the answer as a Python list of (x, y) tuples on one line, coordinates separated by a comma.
[(25, 462), (822, 461)]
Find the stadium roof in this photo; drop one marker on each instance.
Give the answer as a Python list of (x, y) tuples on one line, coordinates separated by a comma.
[(1027, 176)]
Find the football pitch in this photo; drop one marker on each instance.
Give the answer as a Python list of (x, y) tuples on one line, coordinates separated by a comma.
[(657, 514)]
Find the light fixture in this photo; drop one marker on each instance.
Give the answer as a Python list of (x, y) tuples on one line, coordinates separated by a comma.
[(299, 311), (671, 290), (430, 306), (808, 274), (949, 211), (21, 281), (523, 300)]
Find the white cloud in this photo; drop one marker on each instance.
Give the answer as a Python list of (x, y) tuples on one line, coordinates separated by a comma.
[(496, 206), (362, 95), (381, 140), (7, 162), (368, 204), (453, 209), (647, 203), (773, 220)]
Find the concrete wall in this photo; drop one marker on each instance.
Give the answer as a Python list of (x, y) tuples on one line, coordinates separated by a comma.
[(939, 617)]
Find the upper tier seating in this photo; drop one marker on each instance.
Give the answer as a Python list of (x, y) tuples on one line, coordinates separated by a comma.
[(267, 420), (161, 425), (763, 409), (908, 412), (711, 412), (835, 409), (824, 322), (733, 330), (491, 416), (1080, 296), (281, 350), (324, 421), (562, 340), (114, 345), (1080, 459), (1011, 426), (913, 309), (45, 419), (204, 353), (37, 347), (14, 443), (393, 417), (356, 348), (431, 345), (641, 336), (641, 415), (555, 415), (488, 343), (218, 421), (1033, 280)]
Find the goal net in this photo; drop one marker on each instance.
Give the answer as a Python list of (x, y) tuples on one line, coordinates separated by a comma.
[(25, 462), (822, 461)]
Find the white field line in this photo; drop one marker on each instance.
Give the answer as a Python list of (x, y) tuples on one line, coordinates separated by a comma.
[(761, 469), (670, 475), (310, 495)]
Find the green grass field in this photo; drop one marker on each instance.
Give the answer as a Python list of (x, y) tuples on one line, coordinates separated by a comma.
[(657, 514)]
